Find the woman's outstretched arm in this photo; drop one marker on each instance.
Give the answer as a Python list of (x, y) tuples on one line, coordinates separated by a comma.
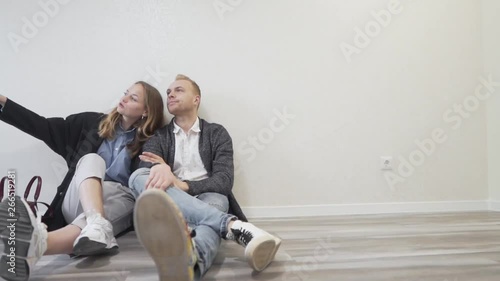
[(2, 100), (60, 134)]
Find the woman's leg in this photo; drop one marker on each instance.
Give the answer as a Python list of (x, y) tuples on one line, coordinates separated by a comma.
[(83, 207), (61, 241), (84, 193), (118, 206), (31, 237), (91, 196)]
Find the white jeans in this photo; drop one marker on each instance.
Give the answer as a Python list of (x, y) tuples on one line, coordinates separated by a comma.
[(118, 200)]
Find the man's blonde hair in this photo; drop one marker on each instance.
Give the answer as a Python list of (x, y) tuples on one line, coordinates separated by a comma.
[(195, 86)]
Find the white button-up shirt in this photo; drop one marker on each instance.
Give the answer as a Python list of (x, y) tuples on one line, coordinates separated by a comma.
[(187, 160)]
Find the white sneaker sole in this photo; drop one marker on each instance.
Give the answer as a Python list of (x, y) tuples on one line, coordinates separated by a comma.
[(260, 253), (161, 228), (23, 234)]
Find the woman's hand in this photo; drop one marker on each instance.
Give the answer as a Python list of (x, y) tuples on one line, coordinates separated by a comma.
[(151, 158), (3, 100)]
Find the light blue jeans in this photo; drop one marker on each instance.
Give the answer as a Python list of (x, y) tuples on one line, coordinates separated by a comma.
[(205, 214)]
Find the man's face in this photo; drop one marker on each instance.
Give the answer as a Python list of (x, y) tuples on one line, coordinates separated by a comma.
[(181, 98)]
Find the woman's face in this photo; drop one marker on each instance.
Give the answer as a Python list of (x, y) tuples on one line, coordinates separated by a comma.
[(132, 105)]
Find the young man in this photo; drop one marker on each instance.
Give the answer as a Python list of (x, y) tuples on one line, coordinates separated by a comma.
[(191, 157)]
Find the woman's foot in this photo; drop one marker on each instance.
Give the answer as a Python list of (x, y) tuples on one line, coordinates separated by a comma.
[(24, 237), (96, 238)]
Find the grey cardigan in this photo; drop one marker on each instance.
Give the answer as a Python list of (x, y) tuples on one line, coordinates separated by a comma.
[(216, 152)]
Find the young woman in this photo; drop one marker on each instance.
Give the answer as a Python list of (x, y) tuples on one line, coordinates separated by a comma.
[(93, 203)]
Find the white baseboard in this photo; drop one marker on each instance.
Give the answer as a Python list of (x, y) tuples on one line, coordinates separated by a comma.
[(494, 205), (364, 209)]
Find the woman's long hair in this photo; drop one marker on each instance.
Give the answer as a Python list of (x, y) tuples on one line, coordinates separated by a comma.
[(145, 127)]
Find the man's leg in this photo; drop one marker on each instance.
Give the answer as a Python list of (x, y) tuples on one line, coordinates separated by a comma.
[(260, 246), (208, 233), (206, 239), (162, 231), (195, 211), (215, 200)]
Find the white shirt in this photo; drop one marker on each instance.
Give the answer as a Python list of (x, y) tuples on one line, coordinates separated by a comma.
[(187, 160)]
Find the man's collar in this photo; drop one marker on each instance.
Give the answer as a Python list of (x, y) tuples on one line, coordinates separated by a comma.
[(195, 128)]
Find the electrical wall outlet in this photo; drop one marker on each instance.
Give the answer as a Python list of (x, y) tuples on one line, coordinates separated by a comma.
[(386, 162)]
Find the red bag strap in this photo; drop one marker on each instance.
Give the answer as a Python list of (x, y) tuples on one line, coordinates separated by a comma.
[(37, 190), (2, 185), (34, 208)]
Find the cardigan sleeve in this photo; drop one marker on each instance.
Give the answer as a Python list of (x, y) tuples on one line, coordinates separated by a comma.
[(154, 145), (221, 178), (61, 135)]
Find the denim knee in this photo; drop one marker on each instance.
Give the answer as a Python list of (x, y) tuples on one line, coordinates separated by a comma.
[(216, 200), (137, 180)]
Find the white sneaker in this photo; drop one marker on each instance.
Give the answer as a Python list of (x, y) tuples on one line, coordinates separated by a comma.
[(23, 233), (96, 238), (162, 230), (260, 246)]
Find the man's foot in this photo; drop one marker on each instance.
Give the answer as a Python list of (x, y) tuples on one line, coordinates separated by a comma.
[(24, 237), (161, 228), (260, 246), (96, 238)]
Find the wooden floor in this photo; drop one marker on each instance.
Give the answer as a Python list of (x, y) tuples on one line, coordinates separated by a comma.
[(423, 247)]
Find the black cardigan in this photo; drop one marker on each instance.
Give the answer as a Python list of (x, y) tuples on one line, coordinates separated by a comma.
[(72, 138), (216, 152)]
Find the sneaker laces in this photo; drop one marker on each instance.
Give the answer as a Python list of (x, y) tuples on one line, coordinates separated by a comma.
[(242, 236), (192, 232)]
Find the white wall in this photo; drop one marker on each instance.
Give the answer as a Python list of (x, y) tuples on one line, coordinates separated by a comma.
[(260, 58), (491, 60)]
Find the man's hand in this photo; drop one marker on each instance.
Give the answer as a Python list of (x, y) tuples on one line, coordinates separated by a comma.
[(160, 177), (151, 158), (170, 177)]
